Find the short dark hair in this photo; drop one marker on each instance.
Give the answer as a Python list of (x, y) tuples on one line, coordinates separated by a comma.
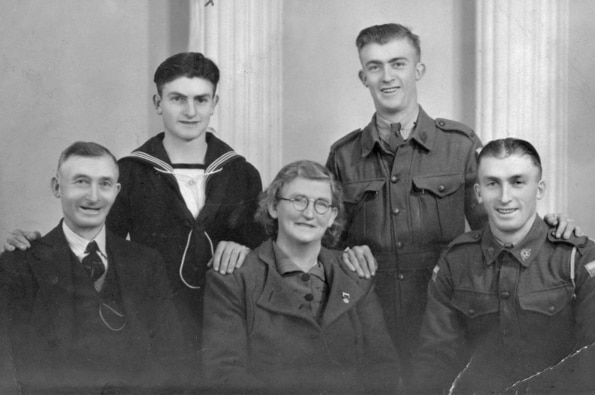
[(85, 149), (309, 170), (503, 148), (186, 64), (382, 34)]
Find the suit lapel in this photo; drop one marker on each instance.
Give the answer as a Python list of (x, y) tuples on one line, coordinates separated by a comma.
[(52, 268)]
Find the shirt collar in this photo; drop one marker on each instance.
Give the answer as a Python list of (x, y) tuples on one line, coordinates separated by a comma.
[(423, 132), (524, 252), (78, 244), (285, 265)]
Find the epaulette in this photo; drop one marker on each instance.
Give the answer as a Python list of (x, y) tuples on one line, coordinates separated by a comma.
[(454, 126), (345, 139), (473, 236), (578, 242)]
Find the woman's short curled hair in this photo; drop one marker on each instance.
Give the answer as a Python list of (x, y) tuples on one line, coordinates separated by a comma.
[(311, 171)]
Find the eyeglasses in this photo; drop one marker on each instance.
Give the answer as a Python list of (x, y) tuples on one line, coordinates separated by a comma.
[(300, 203)]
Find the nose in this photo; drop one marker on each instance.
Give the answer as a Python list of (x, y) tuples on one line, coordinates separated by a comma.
[(309, 211), (190, 109), (387, 73), (93, 193), (505, 194)]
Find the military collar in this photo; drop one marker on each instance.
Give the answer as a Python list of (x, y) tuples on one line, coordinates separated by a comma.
[(285, 265), (524, 252), (423, 133)]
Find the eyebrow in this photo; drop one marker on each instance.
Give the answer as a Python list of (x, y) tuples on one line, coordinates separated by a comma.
[(174, 93)]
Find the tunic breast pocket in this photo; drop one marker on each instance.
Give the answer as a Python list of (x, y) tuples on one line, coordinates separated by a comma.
[(364, 207), (479, 309), (548, 302), (440, 204)]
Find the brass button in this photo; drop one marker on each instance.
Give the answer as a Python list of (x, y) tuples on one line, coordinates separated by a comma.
[(394, 179), (471, 312), (399, 244), (401, 276), (505, 295), (442, 188), (396, 211)]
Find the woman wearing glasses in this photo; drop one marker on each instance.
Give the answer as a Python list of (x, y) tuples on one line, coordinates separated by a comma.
[(294, 318)]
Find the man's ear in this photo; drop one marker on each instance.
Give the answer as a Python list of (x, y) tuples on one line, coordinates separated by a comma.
[(541, 189), (362, 78), (420, 71), (118, 188), (477, 193), (55, 185), (157, 103), (215, 102)]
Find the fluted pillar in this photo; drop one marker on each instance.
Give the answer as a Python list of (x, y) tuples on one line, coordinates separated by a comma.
[(244, 39), (522, 87)]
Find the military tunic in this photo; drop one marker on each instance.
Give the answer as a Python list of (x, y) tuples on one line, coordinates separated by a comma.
[(506, 312), (407, 206)]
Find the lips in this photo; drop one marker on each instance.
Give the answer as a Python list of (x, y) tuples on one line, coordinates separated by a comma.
[(506, 211), (390, 90)]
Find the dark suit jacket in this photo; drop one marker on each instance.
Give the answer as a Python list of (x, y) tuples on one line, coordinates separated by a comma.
[(38, 324), (258, 335)]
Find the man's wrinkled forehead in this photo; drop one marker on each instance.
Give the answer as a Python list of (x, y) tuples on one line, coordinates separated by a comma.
[(102, 166)]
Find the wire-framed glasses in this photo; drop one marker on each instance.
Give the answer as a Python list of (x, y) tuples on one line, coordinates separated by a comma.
[(301, 203)]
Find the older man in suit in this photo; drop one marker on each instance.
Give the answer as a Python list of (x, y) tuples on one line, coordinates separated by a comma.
[(83, 310)]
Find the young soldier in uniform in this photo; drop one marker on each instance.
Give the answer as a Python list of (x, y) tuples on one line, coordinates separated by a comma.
[(407, 180), (510, 300)]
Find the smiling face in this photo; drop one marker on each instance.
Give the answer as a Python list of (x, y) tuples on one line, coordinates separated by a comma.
[(87, 188), (298, 228), (509, 189), (390, 71), (186, 106)]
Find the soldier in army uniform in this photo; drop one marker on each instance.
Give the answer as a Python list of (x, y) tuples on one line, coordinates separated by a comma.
[(510, 300), (408, 183)]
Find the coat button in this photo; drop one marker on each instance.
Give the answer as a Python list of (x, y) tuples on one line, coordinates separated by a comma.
[(505, 295), (551, 309), (394, 179), (401, 276), (471, 312), (441, 123), (399, 244), (305, 277), (309, 297), (396, 211), (442, 188)]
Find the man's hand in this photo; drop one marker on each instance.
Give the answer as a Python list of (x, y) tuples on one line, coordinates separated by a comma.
[(564, 225), (228, 257), (20, 239), (359, 259)]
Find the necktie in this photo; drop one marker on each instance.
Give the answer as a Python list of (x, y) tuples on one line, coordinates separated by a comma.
[(92, 262), (395, 137)]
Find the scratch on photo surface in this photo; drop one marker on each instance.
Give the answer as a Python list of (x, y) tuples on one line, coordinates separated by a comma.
[(550, 368), (456, 380)]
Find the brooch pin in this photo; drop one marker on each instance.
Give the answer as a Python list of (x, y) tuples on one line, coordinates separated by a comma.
[(525, 254), (346, 297)]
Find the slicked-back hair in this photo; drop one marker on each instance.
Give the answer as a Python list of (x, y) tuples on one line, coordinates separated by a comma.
[(186, 64), (503, 148), (309, 170), (85, 149), (383, 34)]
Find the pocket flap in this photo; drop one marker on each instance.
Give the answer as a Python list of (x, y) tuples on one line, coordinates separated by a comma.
[(355, 191), (474, 304), (441, 185), (549, 301)]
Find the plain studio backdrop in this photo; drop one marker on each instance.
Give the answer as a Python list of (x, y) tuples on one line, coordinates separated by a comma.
[(82, 70)]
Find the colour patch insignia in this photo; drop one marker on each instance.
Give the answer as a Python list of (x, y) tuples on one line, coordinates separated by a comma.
[(590, 268), (437, 269)]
